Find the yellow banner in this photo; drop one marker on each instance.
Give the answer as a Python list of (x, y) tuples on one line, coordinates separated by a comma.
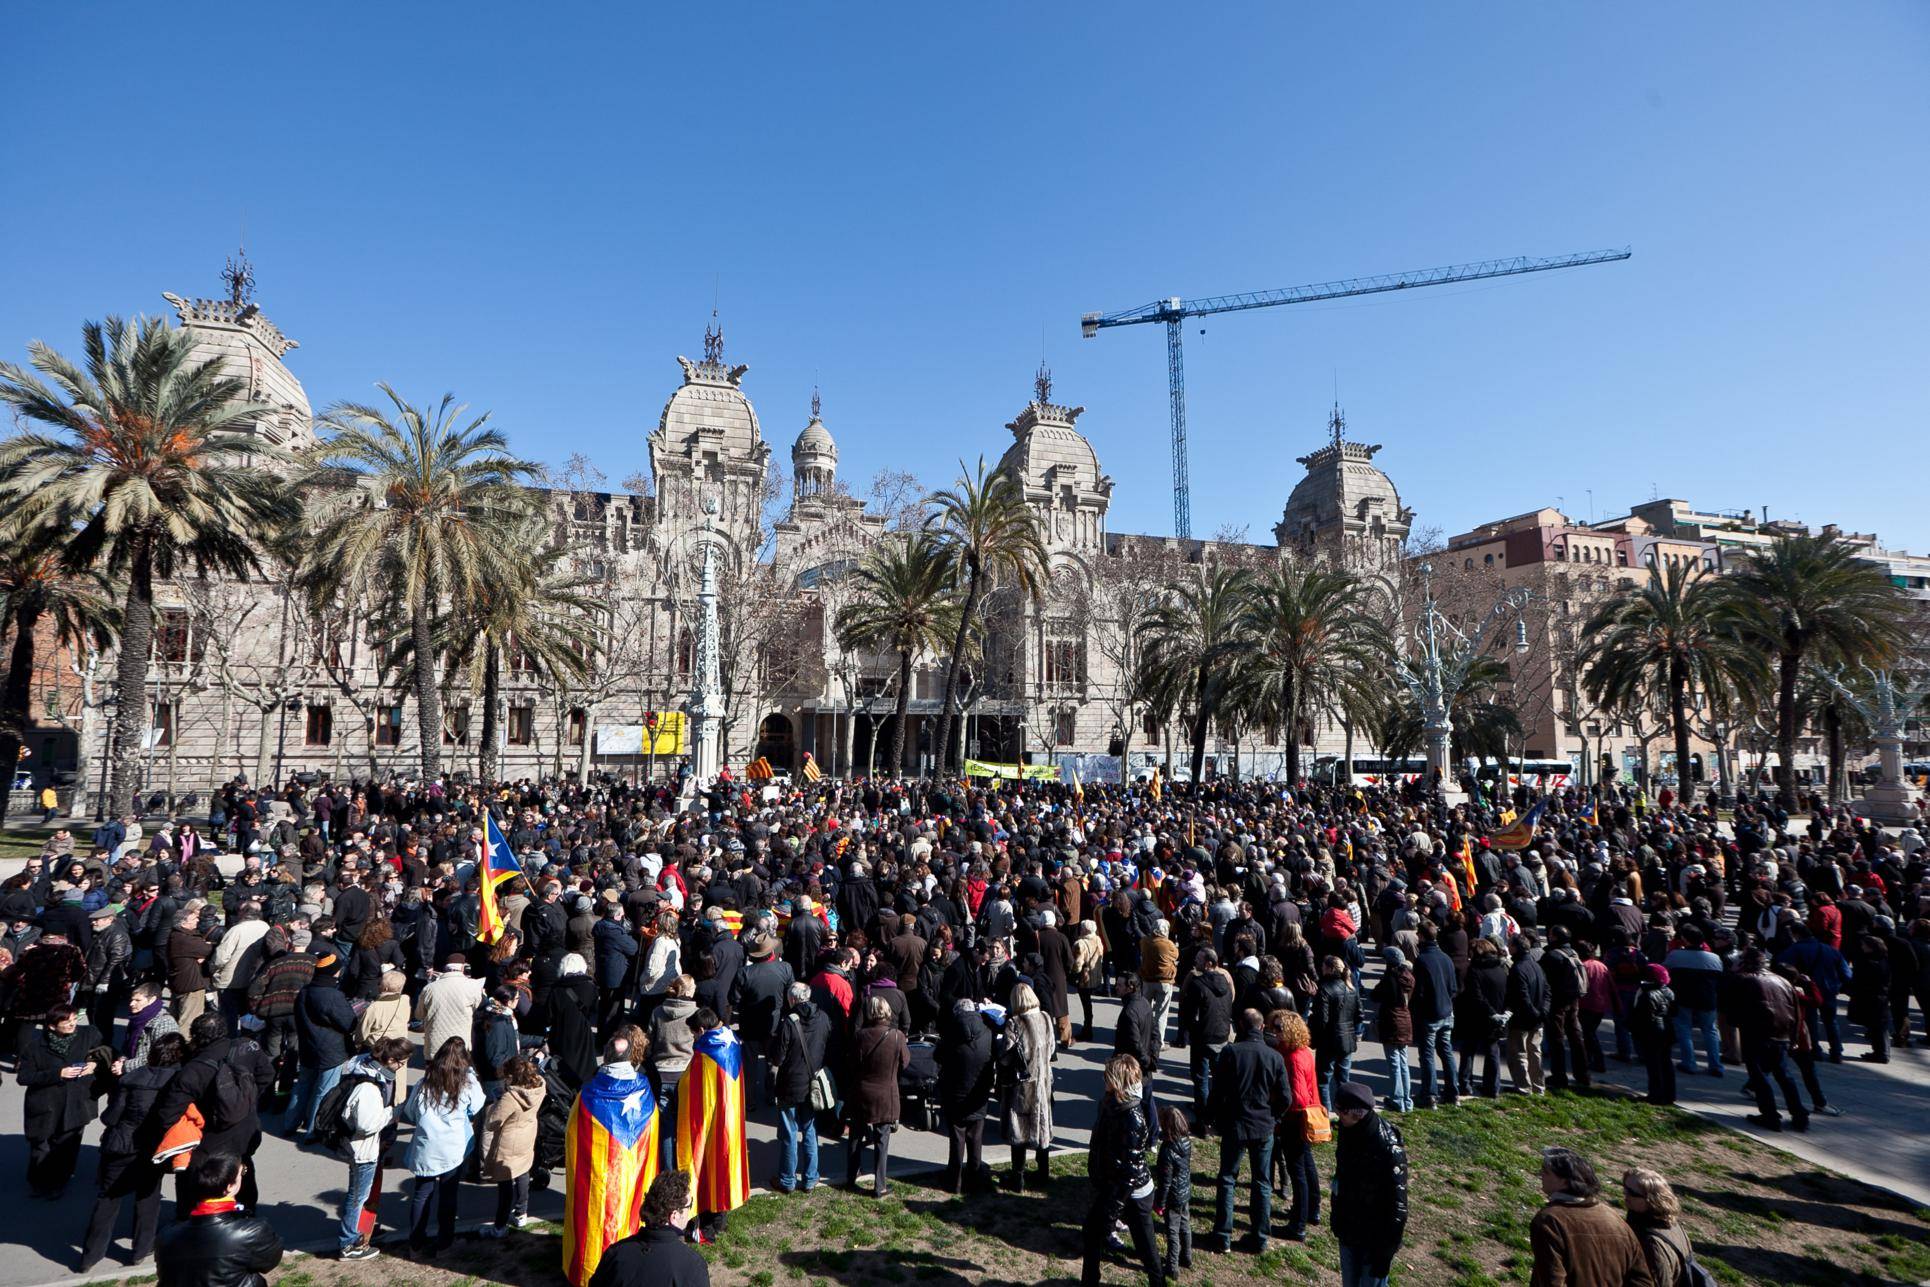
[(1012, 772)]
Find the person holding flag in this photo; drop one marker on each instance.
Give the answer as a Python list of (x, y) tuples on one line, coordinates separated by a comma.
[(609, 1160), (496, 865), (1521, 833), (711, 1142)]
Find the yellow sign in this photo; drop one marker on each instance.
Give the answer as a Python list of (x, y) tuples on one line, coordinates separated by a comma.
[(1012, 772), (661, 733)]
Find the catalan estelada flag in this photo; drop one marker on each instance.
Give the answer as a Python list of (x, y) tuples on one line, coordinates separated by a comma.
[(711, 1143), (609, 1159), (811, 771), (496, 864), (1521, 833)]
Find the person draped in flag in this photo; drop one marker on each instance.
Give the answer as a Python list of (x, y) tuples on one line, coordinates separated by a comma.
[(609, 1158), (711, 1143), (1522, 833), (495, 866)]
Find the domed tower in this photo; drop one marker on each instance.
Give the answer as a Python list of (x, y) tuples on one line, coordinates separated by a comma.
[(814, 457), (708, 443), (1058, 471), (1345, 508), (249, 348)]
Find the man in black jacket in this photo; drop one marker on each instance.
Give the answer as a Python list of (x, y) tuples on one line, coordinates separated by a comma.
[(1370, 1188), (1133, 1033), (797, 1053), (1436, 984), (222, 1243), (1528, 1004), (324, 1022), (1206, 1021), (1249, 1092), (657, 1255), (225, 1078), (765, 984)]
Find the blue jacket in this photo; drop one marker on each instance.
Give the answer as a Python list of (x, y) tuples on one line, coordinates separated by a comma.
[(1823, 963), (324, 1019), (616, 948)]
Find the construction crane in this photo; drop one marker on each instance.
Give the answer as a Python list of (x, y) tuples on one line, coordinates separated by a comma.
[(1175, 311)]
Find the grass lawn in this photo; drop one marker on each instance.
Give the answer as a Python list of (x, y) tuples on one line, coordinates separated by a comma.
[(1755, 1215)]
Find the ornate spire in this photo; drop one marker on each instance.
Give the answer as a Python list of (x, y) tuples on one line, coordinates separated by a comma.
[(1042, 384), (1337, 426), (239, 274), (714, 340)]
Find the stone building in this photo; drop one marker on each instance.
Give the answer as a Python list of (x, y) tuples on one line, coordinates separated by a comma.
[(247, 681)]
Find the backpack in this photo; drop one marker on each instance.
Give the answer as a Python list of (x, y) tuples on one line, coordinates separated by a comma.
[(233, 1094), (1567, 980), (1694, 1275), (331, 1125)]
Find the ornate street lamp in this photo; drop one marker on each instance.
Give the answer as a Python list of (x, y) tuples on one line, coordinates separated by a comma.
[(1887, 705), (1435, 664)]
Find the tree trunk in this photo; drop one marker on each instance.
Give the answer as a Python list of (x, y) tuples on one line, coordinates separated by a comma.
[(1833, 729), (951, 671), (130, 678), (1202, 716), (899, 720), (1679, 725), (263, 778), (16, 703), (491, 684), (1792, 664), (428, 702), (1293, 740), (1125, 748)]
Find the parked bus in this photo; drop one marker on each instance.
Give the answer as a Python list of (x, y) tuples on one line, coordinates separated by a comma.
[(1368, 770), (1542, 775)]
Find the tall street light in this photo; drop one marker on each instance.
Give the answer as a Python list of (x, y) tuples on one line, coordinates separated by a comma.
[(1435, 663)]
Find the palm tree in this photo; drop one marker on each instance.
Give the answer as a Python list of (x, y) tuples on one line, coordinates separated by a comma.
[(150, 470), (990, 537), (904, 604), (35, 587), (1812, 597), (541, 619), (1315, 650), (412, 507), (1825, 705), (1676, 635), (1190, 643)]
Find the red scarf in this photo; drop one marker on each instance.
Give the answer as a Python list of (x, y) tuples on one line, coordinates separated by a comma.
[(215, 1206)]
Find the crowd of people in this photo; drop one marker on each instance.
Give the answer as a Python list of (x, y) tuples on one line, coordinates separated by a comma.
[(846, 960)]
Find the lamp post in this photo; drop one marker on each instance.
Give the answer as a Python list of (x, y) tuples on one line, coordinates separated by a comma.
[(707, 695), (1435, 666), (1886, 705)]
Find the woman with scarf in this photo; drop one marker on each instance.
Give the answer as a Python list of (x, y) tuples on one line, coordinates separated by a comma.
[(61, 1067), (148, 1022)]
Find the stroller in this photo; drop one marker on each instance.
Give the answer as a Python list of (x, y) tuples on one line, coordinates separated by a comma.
[(918, 1087), (552, 1123)]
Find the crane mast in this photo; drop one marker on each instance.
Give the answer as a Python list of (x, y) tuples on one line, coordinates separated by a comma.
[(1174, 312)]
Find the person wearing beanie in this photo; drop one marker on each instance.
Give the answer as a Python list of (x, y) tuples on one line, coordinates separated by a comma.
[(1369, 1206), (1652, 1018)]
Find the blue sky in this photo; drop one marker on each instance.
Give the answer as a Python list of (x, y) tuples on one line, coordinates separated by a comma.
[(535, 206)]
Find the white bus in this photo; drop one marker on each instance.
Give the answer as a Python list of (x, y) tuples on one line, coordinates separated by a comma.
[(1542, 775), (1368, 770)]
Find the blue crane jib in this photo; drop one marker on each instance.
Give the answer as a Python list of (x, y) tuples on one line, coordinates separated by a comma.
[(1173, 311)]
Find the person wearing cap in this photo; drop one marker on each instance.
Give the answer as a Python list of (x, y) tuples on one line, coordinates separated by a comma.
[(448, 1003), (324, 1023), (110, 958), (1652, 1017), (1369, 1203)]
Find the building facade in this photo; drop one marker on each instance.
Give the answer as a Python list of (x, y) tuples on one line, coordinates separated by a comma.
[(248, 679)]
